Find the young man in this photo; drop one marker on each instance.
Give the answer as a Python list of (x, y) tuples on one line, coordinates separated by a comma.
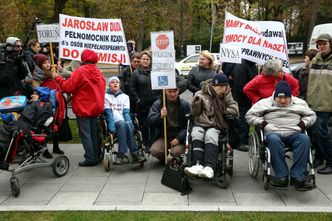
[(119, 121), (175, 112), (212, 106), (283, 118)]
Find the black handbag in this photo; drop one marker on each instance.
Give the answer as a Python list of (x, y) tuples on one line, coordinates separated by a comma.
[(175, 178), (64, 132)]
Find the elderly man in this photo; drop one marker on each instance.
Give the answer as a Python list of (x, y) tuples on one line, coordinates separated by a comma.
[(284, 118), (319, 99), (175, 111)]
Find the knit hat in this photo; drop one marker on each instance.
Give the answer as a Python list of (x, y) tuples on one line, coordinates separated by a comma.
[(282, 89), (219, 79), (324, 37), (113, 78), (40, 59)]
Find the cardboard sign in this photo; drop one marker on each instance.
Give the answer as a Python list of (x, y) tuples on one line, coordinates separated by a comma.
[(48, 33), (229, 53), (163, 60), (104, 36), (259, 40)]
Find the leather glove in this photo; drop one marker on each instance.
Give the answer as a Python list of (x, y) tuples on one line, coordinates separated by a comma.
[(263, 124), (301, 125)]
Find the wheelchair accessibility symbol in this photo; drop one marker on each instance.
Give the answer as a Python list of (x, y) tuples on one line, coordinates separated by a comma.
[(162, 80)]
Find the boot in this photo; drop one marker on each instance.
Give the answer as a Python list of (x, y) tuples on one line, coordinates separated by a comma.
[(197, 152), (57, 150)]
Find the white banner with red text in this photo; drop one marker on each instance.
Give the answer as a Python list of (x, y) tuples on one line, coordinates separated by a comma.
[(104, 36), (259, 40)]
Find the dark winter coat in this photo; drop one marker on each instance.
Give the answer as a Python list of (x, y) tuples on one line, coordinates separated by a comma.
[(156, 122), (196, 76)]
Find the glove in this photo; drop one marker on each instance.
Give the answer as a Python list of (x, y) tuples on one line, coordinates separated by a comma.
[(301, 125), (263, 125)]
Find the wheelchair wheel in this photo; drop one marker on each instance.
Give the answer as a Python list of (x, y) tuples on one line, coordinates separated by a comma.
[(107, 162), (60, 166), (254, 156), (15, 186), (223, 182)]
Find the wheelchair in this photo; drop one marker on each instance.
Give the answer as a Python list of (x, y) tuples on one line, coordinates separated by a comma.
[(26, 150), (108, 140), (224, 167), (260, 160)]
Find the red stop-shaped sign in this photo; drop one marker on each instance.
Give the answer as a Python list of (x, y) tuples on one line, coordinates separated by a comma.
[(162, 41)]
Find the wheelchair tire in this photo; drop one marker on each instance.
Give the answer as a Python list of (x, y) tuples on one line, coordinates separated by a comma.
[(107, 162), (15, 186), (224, 181), (254, 155), (60, 166), (266, 183)]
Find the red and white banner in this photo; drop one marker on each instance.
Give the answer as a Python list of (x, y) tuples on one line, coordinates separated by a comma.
[(259, 40), (104, 36)]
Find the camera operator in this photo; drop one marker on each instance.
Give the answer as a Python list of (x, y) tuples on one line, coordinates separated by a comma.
[(12, 69)]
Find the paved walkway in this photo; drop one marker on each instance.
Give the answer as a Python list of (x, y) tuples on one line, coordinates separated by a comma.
[(129, 187)]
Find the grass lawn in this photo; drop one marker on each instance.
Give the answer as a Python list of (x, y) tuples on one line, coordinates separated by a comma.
[(163, 216), (74, 131)]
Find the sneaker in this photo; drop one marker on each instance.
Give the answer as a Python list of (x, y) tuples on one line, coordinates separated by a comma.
[(121, 160), (207, 172), (193, 170), (138, 158)]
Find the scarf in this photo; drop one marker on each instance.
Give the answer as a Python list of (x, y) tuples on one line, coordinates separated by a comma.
[(219, 107)]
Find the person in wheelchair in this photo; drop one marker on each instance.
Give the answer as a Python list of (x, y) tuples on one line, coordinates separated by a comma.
[(175, 111), (212, 106), (32, 118), (283, 119), (117, 113)]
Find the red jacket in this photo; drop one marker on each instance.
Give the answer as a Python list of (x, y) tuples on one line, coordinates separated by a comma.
[(262, 86), (60, 100), (87, 86)]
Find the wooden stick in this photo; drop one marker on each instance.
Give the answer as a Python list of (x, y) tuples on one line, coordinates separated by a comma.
[(165, 128)]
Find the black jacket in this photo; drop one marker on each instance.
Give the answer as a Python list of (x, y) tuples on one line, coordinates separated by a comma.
[(140, 90), (156, 122), (196, 76), (242, 74), (11, 74)]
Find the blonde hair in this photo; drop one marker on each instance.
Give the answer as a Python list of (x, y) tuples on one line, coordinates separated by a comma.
[(206, 54)]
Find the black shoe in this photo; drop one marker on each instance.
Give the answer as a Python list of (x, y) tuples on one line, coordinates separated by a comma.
[(137, 158), (303, 185), (243, 148), (58, 151), (317, 162), (281, 182), (47, 154), (325, 170), (87, 164)]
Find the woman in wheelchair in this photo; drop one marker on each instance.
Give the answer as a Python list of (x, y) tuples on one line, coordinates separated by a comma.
[(284, 119), (33, 117), (210, 108), (118, 120)]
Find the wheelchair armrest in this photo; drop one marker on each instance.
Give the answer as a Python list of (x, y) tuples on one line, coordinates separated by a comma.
[(188, 116)]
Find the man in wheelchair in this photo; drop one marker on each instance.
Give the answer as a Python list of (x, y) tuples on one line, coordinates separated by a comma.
[(117, 113), (283, 119), (32, 119), (212, 106)]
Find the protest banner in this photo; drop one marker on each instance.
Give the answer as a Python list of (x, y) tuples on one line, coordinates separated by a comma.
[(104, 36), (163, 60), (259, 40), (48, 33), (230, 53)]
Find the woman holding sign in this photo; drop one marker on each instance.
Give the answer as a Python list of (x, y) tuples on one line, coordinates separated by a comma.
[(200, 73), (142, 94)]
